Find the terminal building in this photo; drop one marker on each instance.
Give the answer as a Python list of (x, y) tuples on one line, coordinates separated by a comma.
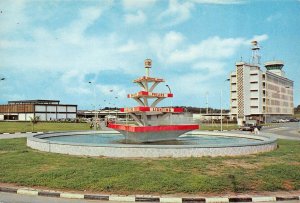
[(46, 110), (260, 95)]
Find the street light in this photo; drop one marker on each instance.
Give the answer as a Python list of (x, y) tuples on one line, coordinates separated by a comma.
[(222, 104), (171, 101), (169, 89), (94, 93)]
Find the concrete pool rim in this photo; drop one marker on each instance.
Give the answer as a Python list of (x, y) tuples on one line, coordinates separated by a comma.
[(133, 150)]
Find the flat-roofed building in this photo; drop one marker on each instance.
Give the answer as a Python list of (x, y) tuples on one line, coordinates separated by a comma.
[(260, 95), (46, 110)]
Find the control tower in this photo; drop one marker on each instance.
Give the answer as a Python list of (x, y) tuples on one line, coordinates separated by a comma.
[(150, 119), (275, 67)]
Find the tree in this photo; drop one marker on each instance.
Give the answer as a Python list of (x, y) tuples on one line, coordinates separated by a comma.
[(34, 120)]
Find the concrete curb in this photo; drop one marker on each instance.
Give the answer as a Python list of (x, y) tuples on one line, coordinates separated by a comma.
[(148, 198), (19, 133)]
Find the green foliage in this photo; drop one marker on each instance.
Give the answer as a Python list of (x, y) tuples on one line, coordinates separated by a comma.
[(11, 127), (277, 170)]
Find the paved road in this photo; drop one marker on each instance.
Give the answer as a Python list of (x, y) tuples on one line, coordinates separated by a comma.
[(14, 198), (284, 130)]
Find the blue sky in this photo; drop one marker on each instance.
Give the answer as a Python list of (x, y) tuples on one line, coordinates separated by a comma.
[(52, 49)]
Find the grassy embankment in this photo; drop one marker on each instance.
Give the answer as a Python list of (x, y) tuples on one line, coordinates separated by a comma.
[(11, 127), (207, 126), (277, 170)]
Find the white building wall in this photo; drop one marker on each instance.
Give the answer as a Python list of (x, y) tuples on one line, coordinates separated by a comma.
[(71, 109), (61, 109), (51, 108), (51, 116), (41, 108), (42, 116), (61, 116), (247, 90), (1, 117), (22, 116), (28, 116), (71, 115)]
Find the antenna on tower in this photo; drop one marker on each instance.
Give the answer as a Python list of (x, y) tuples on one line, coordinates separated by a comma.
[(255, 53)]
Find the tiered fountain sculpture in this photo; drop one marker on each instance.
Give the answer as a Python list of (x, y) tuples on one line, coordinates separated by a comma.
[(150, 119)]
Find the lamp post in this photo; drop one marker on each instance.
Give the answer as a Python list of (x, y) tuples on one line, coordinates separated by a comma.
[(169, 89), (171, 100), (222, 104), (94, 93), (2, 79)]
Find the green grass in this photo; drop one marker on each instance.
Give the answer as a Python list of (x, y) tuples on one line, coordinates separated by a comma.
[(272, 171), (205, 126), (11, 127)]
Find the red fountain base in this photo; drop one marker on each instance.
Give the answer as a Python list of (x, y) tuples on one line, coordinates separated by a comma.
[(152, 133)]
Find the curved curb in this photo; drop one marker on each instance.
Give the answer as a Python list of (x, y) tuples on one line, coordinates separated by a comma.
[(19, 133), (148, 198)]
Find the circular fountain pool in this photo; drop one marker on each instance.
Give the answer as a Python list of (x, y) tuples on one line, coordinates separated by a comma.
[(112, 144)]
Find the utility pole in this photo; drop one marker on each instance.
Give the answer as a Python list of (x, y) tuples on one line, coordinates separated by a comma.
[(206, 102), (222, 103), (94, 93)]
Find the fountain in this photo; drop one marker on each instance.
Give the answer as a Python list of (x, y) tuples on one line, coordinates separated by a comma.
[(154, 134), (148, 114)]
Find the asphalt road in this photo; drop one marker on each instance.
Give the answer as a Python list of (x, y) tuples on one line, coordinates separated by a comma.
[(289, 131), (14, 198)]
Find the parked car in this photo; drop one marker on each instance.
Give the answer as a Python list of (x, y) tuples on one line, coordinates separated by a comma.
[(294, 120), (283, 120), (249, 127), (274, 121)]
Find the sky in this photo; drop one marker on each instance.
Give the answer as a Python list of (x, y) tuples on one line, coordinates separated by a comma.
[(52, 49)]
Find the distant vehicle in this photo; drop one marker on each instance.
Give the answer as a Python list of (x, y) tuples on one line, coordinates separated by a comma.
[(274, 121), (283, 120), (249, 127), (293, 120)]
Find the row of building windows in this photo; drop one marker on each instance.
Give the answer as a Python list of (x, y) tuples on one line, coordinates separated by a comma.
[(279, 82)]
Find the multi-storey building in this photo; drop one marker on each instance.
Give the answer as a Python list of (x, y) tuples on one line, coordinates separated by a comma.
[(46, 110), (260, 95)]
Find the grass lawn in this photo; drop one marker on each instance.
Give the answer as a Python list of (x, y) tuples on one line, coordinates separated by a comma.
[(11, 127), (205, 126), (277, 170)]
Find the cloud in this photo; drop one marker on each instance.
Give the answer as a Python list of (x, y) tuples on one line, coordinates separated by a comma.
[(74, 32), (12, 16), (211, 48), (259, 38), (75, 82), (129, 47), (176, 13), (138, 4), (163, 45), (274, 17), (215, 67), (138, 18), (219, 1)]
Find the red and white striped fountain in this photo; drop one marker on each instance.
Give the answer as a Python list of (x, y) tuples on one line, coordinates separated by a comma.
[(152, 122)]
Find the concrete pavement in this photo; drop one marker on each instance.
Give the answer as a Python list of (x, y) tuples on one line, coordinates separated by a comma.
[(288, 131)]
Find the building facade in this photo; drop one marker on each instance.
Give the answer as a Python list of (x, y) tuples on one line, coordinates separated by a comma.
[(46, 110), (260, 95)]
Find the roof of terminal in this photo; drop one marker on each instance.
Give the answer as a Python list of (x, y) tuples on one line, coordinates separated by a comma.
[(37, 101)]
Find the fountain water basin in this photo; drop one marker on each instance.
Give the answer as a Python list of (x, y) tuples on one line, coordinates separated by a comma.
[(113, 144)]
